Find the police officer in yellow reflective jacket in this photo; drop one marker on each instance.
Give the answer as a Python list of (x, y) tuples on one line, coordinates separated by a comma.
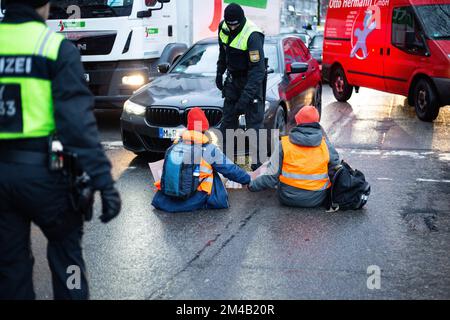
[(242, 55), (42, 94)]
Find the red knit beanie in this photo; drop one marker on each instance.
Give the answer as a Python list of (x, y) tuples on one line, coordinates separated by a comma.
[(307, 114), (197, 120)]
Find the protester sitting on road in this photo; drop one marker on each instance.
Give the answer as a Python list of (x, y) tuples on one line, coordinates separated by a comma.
[(301, 163), (193, 162)]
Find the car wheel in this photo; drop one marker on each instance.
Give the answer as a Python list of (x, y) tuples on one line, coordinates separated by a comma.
[(280, 121), (342, 90), (318, 99), (426, 101)]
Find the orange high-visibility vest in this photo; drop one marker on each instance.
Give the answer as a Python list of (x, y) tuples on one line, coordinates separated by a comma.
[(206, 170), (305, 167)]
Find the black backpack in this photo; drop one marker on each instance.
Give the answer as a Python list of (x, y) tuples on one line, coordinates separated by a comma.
[(349, 190)]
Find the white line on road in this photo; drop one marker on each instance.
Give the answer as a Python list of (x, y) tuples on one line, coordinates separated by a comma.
[(396, 153), (432, 180), (112, 145)]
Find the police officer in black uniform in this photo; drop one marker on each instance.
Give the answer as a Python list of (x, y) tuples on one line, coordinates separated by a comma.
[(242, 56), (42, 94)]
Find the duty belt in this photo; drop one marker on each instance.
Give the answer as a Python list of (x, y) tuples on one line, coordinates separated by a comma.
[(24, 157)]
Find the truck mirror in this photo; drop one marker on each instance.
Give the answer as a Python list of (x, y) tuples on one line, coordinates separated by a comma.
[(163, 67), (297, 67), (151, 4)]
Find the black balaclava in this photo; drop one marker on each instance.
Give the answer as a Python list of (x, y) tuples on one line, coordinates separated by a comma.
[(234, 14), (32, 3)]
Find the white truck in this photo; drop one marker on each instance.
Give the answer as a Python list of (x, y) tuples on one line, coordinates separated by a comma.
[(123, 41)]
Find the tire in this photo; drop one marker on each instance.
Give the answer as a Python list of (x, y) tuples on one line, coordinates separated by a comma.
[(342, 90), (318, 99), (280, 121), (426, 101)]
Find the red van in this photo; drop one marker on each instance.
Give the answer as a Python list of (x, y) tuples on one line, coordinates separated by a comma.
[(396, 46)]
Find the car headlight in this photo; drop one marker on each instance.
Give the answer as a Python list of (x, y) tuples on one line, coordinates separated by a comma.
[(266, 106), (135, 80), (134, 108)]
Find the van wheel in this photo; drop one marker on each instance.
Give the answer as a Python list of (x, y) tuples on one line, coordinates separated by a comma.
[(342, 90), (426, 101), (318, 100)]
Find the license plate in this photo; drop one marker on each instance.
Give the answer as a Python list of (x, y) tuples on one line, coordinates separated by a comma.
[(170, 133), (87, 77)]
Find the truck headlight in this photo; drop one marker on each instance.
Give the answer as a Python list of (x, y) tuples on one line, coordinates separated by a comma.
[(134, 108), (135, 80)]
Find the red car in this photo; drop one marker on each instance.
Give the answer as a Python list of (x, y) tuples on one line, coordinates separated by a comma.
[(396, 46)]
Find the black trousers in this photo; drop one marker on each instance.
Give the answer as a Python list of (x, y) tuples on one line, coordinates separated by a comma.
[(34, 194), (254, 111)]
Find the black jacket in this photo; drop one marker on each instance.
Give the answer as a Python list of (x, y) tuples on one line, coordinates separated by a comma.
[(239, 62), (73, 107)]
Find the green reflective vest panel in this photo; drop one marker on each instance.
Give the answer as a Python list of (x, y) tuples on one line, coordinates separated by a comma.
[(26, 103), (240, 42)]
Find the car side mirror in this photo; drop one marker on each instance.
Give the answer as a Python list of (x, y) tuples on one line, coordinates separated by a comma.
[(163, 67), (296, 67)]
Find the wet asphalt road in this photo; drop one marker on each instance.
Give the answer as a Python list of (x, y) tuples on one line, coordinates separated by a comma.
[(260, 250)]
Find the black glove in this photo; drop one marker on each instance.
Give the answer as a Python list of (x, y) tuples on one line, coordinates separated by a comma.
[(111, 204), (219, 81)]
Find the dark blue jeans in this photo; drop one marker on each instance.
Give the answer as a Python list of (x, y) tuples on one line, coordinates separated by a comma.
[(34, 194)]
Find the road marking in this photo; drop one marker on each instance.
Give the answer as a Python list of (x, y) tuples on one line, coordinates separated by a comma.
[(396, 153), (385, 179), (444, 157), (112, 145), (432, 180)]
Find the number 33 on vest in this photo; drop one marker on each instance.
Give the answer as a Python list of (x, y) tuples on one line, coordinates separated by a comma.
[(10, 108)]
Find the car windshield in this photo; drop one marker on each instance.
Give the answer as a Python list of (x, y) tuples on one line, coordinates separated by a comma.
[(202, 59), (435, 20), (317, 42), (304, 38), (85, 9)]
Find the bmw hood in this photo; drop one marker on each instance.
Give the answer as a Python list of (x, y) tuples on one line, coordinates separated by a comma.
[(179, 90), (184, 91)]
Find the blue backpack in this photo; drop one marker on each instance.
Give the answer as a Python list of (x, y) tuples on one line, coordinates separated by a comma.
[(181, 170)]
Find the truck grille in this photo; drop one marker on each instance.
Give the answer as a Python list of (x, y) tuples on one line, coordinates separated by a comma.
[(173, 117), (93, 43)]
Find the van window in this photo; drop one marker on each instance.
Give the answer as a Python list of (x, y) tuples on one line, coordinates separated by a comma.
[(406, 32)]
